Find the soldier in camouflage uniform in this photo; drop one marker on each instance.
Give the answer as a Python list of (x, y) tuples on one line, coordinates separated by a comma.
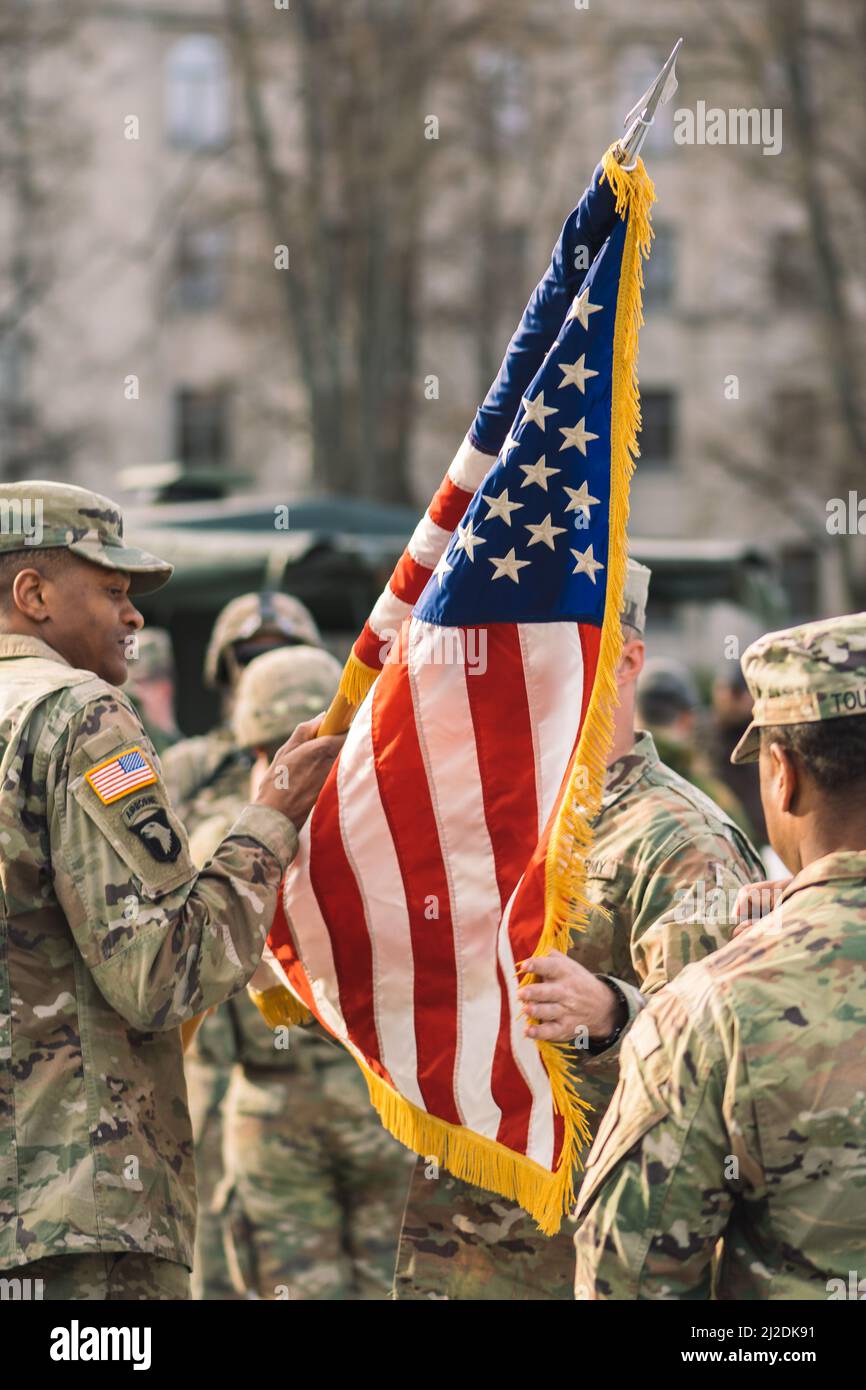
[(741, 1112), (201, 771), (150, 686), (204, 775), (312, 1196), (208, 1065), (109, 938), (664, 871), (668, 705)]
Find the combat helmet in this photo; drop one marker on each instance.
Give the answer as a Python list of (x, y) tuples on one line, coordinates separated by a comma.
[(151, 656), (246, 617), (278, 690)]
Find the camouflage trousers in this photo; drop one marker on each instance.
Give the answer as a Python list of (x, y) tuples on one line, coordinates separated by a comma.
[(314, 1186), (460, 1242), (207, 1085), (112, 1277)]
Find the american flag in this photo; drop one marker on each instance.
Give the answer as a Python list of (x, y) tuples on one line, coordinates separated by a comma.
[(424, 874), (118, 776), (582, 237)]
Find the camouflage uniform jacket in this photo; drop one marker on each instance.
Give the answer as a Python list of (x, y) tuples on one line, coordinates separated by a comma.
[(108, 942), (664, 869), (203, 773), (742, 1113)]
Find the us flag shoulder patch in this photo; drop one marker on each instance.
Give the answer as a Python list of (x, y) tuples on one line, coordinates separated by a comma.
[(119, 775)]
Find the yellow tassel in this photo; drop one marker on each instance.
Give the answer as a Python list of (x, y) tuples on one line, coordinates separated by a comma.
[(279, 1007), (469, 1156), (356, 680)]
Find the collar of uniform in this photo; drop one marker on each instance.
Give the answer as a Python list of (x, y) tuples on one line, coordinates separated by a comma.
[(622, 775), (16, 644), (845, 863)]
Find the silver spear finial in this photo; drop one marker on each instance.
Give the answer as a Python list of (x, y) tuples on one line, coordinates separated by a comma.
[(640, 117)]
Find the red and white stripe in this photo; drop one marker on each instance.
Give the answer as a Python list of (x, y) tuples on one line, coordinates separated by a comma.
[(410, 901), (418, 561)]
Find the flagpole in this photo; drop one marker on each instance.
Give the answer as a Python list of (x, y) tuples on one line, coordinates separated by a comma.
[(338, 717), (642, 115)]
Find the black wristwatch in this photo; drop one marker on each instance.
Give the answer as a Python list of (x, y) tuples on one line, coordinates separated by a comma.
[(594, 1047)]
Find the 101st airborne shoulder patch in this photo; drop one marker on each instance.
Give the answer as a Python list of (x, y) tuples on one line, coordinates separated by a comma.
[(120, 775), (154, 826)]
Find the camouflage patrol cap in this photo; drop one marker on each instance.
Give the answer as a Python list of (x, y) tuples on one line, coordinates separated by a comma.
[(40, 515), (637, 578), (804, 675), (281, 688), (245, 617)]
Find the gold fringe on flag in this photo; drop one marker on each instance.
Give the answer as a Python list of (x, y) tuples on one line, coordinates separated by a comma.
[(356, 680), (566, 904), (469, 1156), (279, 1007)]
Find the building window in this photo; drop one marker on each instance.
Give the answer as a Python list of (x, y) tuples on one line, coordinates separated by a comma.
[(659, 270), (508, 261), (202, 428), (10, 369), (199, 278), (799, 567), (792, 271), (795, 425), (503, 81), (500, 296), (657, 438), (198, 93), (16, 405)]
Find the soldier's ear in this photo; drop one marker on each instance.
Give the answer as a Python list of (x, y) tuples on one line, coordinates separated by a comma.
[(785, 778), (631, 661), (28, 595)]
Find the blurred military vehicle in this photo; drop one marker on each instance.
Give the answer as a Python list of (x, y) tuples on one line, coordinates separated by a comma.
[(336, 554)]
